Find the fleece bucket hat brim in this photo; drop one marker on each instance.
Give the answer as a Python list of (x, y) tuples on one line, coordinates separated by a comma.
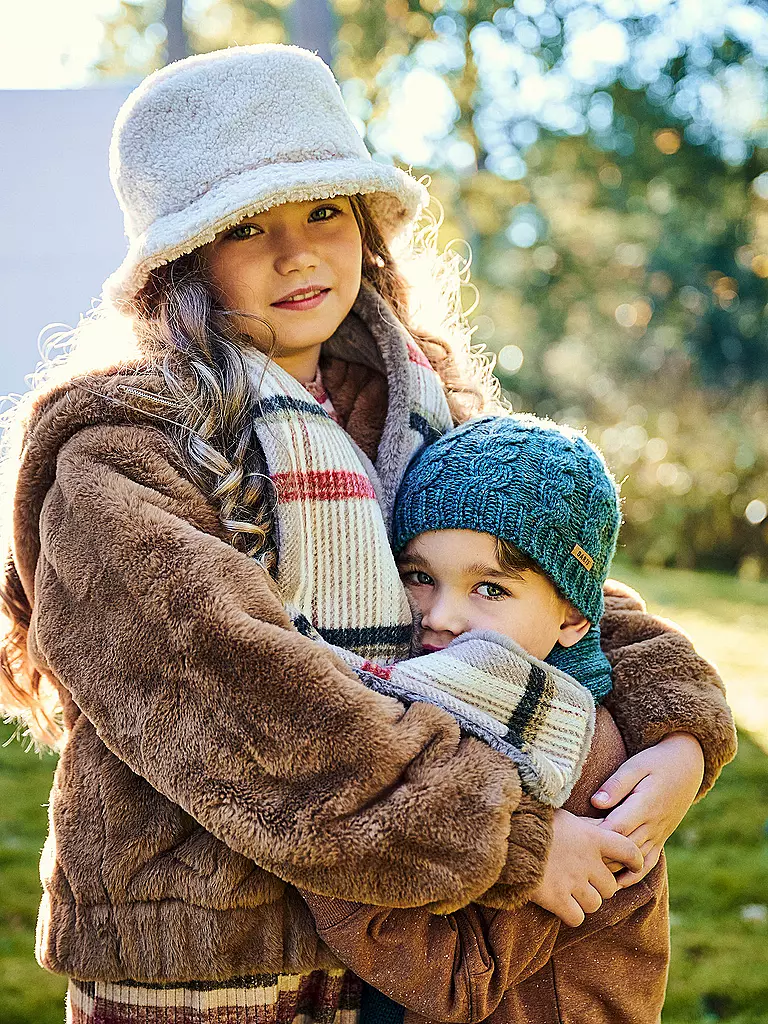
[(214, 138)]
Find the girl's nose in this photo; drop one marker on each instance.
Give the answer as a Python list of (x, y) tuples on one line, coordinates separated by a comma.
[(294, 254)]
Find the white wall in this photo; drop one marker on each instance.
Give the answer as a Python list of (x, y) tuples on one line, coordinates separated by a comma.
[(61, 227)]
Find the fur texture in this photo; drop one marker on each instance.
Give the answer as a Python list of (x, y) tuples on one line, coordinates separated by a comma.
[(202, 143), (215, 758)]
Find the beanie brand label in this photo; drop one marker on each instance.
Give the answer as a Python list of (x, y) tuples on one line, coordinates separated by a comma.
[(581, 556)]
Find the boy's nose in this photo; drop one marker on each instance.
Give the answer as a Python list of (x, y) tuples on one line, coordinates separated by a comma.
[(444, 615)]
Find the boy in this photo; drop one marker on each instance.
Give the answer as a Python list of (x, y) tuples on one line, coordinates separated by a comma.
[(509, 524)]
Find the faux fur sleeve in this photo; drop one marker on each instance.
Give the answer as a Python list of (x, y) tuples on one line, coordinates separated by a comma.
[(661, 685), (178, 650)]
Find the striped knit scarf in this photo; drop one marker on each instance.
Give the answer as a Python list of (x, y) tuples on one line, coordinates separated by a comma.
[(339, 580), (331, 531)]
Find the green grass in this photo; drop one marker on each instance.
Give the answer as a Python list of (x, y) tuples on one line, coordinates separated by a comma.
[(718, 859), (30, 995)]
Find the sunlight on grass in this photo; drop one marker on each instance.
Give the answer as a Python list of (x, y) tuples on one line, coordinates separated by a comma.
[(727, 619)]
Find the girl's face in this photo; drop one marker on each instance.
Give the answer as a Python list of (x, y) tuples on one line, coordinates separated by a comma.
[(297, 266)]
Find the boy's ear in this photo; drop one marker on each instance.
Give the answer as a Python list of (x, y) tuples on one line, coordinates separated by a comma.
[(573, 627)]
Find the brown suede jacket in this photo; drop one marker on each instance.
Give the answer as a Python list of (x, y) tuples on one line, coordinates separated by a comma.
[(467, 966), (215, 759)]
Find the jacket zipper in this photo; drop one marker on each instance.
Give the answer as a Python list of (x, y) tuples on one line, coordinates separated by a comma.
[(147, 395)]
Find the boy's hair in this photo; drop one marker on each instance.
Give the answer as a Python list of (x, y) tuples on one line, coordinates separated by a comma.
[(514, 561), (539, 487)]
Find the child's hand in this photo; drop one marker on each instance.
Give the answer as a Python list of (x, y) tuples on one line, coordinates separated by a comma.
[(576, 880), (651, 793)]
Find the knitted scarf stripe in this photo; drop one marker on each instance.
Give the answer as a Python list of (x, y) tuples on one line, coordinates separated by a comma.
[(338, 578), (253, 999), (323, 494), (349, 639), (423, 427)]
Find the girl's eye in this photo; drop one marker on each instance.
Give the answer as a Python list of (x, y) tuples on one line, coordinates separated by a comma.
[(417, 578), (244, 231), (324, 213), (491, 591)]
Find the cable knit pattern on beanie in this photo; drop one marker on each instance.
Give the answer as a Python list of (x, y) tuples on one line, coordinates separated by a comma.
[(540, 486)]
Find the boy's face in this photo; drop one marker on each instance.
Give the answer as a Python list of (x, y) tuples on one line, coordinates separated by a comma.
[(457, 584)]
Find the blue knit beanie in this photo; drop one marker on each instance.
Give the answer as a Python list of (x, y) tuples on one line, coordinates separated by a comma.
[(543, 488)]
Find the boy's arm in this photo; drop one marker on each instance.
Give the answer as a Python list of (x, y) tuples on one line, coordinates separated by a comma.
[(476, 953), (457, 967), (453, 967), (661, 685)]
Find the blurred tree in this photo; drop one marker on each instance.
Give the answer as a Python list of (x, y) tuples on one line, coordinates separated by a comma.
[(134, 40), (606, 160), (605, 165)]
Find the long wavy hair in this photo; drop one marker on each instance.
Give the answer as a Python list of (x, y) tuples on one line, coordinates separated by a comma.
[(177, 328)]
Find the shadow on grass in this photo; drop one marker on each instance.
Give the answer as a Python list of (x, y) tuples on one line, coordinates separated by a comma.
[(718, 868)]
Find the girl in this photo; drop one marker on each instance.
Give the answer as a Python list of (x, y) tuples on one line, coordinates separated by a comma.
[(176, 488)]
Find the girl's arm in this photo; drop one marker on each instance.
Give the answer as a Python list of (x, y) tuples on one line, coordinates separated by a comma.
[(177, 648), (661, 685)]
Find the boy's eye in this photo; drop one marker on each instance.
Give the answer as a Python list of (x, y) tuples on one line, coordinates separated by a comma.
[(324, 213), (492, 591), (417, 577), (244, 231)]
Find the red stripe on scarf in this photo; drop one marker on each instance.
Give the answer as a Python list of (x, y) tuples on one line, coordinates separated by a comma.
[(382, 671), (322, 485)]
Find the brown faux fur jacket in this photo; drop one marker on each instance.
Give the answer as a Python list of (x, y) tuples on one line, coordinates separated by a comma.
[(215, 758)]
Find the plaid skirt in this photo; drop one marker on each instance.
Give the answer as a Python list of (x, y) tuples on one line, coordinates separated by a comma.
[(322, 997)]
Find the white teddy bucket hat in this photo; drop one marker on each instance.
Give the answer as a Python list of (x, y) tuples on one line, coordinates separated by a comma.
[(213, 138)]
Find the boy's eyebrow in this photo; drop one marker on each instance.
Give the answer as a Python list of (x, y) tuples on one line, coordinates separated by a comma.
[(475, 569), (413, 559), (491, 571)]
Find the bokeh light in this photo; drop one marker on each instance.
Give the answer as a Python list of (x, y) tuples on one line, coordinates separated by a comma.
[(756, 511), (510, 359)]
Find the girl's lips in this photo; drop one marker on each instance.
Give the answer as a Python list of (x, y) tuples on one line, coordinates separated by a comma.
[(429, 649), (303, 303)]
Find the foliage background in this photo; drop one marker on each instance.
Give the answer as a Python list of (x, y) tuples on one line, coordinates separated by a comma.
[(607, 163), (605, 160)]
